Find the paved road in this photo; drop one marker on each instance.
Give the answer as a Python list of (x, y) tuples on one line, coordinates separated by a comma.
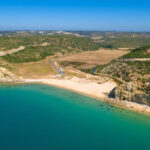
[(59, 71), (54, 66)]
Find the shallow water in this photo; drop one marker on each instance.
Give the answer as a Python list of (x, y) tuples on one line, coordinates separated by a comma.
[(40, 117)]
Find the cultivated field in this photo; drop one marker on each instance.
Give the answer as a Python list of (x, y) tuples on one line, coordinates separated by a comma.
[(99, 57)]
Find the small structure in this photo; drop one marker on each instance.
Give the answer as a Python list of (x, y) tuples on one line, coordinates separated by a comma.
[(60, 71)]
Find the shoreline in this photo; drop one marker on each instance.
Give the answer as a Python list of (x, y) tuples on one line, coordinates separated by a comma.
[(82, 86), (87, 88)]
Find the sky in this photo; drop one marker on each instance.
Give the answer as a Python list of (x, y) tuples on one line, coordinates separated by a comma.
[(110, 15)]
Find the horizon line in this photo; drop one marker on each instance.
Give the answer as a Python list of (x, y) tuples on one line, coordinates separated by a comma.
[(67, 30)]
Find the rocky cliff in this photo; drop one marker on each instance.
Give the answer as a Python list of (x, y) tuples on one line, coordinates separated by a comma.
[(138, 92), (5, 74), (133, 79)]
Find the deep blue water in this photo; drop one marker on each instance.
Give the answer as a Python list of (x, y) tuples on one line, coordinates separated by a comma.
[(40, 117)]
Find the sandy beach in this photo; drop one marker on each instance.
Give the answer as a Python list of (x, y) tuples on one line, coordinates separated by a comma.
[(84, 86), (90, 88)]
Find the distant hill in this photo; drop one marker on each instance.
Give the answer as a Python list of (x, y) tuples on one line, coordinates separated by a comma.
[(107, 39), (142, 52), (110, 39), (39, 47)]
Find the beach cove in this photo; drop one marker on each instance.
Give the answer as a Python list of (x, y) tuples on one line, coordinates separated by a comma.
[(46, 117), (92, 89)]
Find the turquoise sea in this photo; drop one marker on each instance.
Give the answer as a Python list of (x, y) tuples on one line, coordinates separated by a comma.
[(41, 117)]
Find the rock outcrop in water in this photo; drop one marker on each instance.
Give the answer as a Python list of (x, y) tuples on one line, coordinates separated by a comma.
[(5, 74)]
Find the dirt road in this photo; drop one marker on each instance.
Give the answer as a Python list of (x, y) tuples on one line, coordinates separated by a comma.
[(11, 51)]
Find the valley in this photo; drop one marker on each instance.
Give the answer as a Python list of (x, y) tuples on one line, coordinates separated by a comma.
[(28, 58)]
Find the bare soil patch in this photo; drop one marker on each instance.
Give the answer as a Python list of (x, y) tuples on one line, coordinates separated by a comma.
[(99, 57), (33, 70)]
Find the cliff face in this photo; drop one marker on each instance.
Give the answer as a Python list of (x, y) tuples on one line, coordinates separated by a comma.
[(133, 77), (135, 92), (6, 75)]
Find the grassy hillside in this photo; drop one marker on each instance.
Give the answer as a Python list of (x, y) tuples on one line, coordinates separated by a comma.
[(142, 52), (118, 39), (124, 42), (105, 39), (55, 44), (129, 70), (121, 39), (125, 70), (7, 43)]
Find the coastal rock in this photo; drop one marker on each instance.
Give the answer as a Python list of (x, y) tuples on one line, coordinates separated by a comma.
[(142, 98), (6, 75), (133, 92)]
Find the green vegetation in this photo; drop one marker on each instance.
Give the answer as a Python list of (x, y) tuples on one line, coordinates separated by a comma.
[(141, 67), (55, 44), (118, 82), (141, 52), (81, 43), (29, 54), (105, 39), (8, 43), (119, 39), (86, 70), (101, 67), (124, 42), (127, 71)]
